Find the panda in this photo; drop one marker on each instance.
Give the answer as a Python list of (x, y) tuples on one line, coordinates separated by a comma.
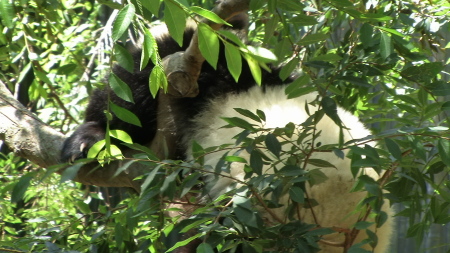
[(200, 119)]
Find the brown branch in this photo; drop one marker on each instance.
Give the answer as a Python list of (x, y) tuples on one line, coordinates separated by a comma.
[(28, 137)]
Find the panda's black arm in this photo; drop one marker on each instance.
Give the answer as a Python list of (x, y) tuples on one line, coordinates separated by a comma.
[(93, 130)]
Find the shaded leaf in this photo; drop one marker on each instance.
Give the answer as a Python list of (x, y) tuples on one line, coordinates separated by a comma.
[(120, 88), (208, 15), (125, 115), (393, 148), (273, 144), (386, 46), (313, 38), (20, 188), (422, 73), (123, 57)]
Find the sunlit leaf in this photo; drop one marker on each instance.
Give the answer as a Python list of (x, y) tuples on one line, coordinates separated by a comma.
[(234, 60), (208, 15), (208, 43), (175, 18), (123, 21)]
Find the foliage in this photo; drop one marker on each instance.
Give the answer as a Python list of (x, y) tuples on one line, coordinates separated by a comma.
[(385, 61)]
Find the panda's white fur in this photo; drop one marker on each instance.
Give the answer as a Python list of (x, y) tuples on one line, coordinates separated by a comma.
[(336, 203)]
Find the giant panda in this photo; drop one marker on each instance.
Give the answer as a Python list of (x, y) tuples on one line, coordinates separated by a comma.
[(200, 119)]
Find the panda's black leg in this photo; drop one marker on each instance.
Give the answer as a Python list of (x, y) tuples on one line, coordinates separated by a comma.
[(78, 144)]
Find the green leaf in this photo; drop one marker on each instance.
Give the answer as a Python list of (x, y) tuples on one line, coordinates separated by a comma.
[(120, 88), (7, 13), (365, 35), (175, 18), (157, 80), (330, 108), (152, 5), (446, 106), (121, 135), (360, 81), (317, 177), (386, 46), (124, 58), (67, 69), (246, 216), (273, 144), (313, 38), (256, 162), (321, 163), (444, 151), (290, 5), (209, 15), (291, 171), (299, 87), (70, 172), (287, 69), (440, 88), (297, 194), (123, 21), (189, 182), (255, 69), (149, 179), (235, 159), (148, 49), (342, 3), (234, 60), (261, 54), (331, 57), (391, 31), (393, 148), (423, 73), (248, 114), (204, 248), (184, 242), (123, 167), (436, 167), (208, 43), (363, 225), (125, 115), (303, 20), (96, 148), (238, 122), (231, 37), (374, 17), (169, 185), (20, 188)]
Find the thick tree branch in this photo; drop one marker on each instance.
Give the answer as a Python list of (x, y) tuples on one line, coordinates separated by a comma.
[(25, 134)]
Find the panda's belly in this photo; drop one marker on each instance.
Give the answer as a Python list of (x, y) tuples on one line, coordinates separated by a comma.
[(336, 202)]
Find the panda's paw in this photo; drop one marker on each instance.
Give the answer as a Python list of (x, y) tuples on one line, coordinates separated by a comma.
[(78, 144)]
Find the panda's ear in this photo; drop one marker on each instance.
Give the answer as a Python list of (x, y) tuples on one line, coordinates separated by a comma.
[(240, 23)]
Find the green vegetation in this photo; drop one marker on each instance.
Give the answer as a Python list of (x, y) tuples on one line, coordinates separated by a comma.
[(385, 61)]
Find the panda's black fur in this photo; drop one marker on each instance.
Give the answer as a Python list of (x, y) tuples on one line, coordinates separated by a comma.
[(212, 83), (198, 119)]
